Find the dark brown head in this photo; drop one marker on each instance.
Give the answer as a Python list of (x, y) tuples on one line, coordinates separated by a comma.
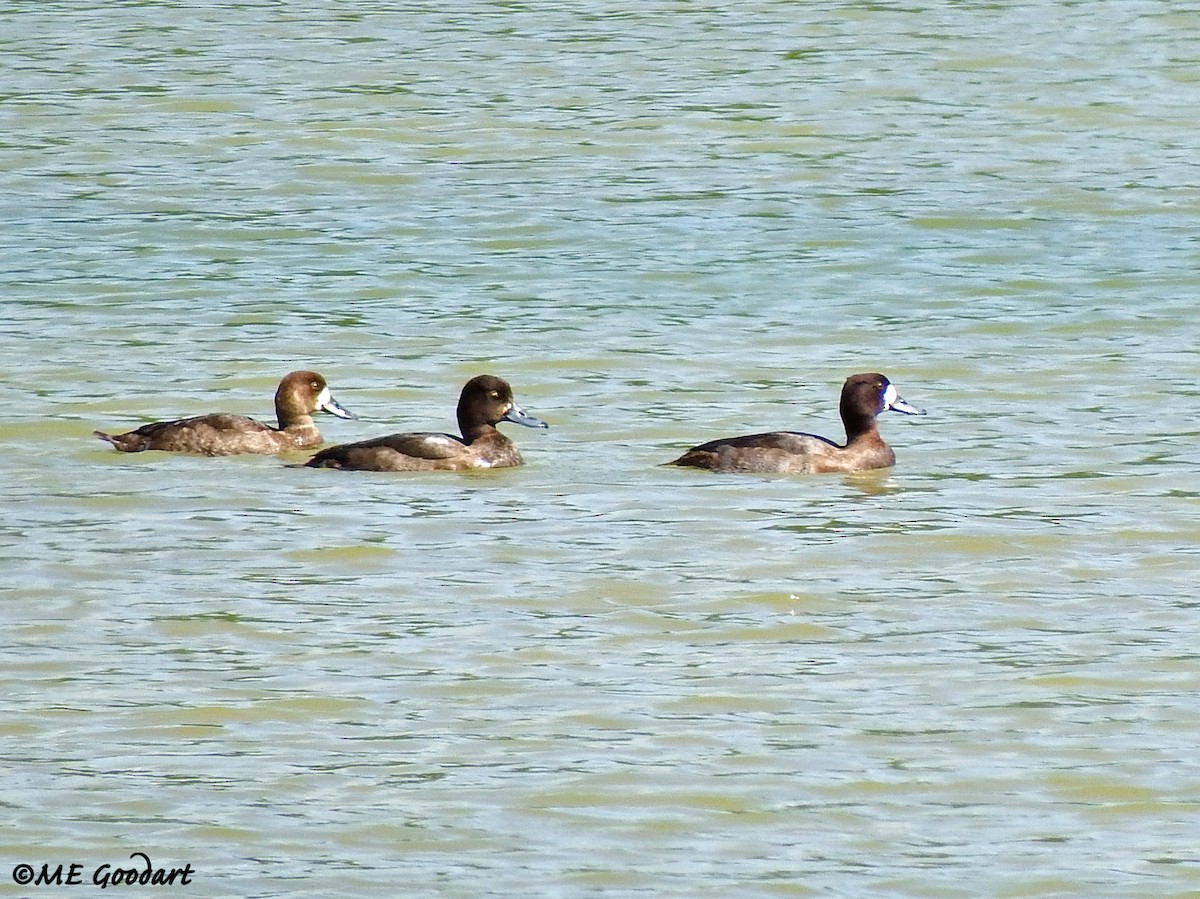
[(302, 393), (865, 396), (485, 402)]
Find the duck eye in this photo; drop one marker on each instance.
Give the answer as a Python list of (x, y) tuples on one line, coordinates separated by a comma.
[(494, 394)]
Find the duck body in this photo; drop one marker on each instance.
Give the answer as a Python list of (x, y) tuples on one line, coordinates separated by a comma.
[(864, 397), (486, 400), (299, 394)]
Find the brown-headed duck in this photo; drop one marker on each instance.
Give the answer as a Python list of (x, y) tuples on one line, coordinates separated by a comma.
[(864, 397), (485, 401), (299, 395)]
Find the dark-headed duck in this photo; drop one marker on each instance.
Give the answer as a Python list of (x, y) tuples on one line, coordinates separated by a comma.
[(299, 395), (485, 401), (863, 398)]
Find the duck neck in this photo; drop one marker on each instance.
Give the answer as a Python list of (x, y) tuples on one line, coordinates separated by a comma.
[(290, 420), (472, 431), (858, 425)]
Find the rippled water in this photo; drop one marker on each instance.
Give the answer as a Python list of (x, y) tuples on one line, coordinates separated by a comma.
[(971, 675)]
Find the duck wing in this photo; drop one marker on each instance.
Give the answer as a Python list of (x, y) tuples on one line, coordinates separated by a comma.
[(395, 452)]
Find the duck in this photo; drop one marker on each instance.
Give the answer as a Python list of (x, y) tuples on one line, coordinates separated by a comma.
[(299, 395), (864, 397), (485, 401)]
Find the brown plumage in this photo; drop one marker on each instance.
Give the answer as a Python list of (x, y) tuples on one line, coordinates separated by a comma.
[(299, 395), (864, 397), (485, 401)]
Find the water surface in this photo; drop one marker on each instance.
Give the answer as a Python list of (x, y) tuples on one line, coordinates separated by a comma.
[(971, 675)]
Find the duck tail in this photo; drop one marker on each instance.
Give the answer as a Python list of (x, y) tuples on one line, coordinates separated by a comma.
[(132, 442)]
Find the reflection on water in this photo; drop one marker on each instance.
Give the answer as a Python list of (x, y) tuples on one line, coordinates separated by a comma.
[(595, 673)]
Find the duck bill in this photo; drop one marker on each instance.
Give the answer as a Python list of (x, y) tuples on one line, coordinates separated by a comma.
[(899, 404), (326, 403), (896, 403), (519, 416)]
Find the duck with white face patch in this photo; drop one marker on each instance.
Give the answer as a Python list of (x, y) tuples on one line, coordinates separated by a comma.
[(485, 402), (864, 398), (298, 396)]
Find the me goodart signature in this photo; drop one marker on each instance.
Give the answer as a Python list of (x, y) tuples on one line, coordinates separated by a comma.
[(142, 873)]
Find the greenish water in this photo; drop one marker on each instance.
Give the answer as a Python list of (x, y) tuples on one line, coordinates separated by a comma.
[(971, 675)]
